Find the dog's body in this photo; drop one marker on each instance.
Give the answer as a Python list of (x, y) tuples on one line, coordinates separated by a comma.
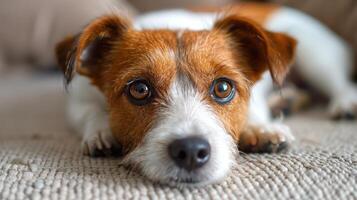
[(187, 112)]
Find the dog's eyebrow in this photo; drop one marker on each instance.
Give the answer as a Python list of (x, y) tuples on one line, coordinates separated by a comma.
[(223, 64)]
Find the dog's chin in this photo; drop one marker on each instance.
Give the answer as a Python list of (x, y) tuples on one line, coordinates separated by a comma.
[(157, 166), (171, 175)]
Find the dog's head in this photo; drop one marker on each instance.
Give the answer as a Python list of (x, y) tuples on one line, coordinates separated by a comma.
[(177, 100)]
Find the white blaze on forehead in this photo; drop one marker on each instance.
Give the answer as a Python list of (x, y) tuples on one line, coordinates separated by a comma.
[(179, 34), (186, 109), (184, 114)]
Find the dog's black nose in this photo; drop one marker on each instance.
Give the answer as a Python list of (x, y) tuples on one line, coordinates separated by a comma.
[(190, 153)]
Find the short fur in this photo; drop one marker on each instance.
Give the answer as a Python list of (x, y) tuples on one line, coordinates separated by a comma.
[(180, 64)]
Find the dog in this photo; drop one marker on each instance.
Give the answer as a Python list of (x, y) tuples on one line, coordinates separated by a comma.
[(176, 92)]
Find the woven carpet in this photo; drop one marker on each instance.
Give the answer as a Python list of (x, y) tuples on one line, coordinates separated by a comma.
[(41, 159)]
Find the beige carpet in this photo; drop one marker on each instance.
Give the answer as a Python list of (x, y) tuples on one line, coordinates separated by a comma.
[(40, 159)]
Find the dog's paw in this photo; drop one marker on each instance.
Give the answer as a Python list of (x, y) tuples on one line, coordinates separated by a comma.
[(265, 138), (100, 142), (345, 105)]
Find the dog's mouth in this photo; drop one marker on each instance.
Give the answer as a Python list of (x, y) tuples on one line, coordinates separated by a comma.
[(188, 178), (177, 177), (190, 181)]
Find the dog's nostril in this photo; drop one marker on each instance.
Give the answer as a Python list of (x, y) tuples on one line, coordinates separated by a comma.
[(202, 154), (190, 153), (181, 155)]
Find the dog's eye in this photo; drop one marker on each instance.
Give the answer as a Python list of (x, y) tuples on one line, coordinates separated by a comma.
[(222, 90), (139, 92)]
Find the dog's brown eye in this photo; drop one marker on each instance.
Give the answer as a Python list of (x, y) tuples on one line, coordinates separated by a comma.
[(222, 90), (139, 92)]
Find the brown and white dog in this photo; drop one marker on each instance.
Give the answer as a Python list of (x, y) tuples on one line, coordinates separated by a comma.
[(173, 93)]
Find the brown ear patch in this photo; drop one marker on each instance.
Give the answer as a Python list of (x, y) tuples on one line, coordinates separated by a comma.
[(65, 52), (261, 49), (86, 52), (96, 41), (281, 55)]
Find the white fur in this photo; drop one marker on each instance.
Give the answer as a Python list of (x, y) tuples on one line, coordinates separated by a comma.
[(323, 58), (87, 115), (185, 114), (259, 114), (258, 105), (175, 19)]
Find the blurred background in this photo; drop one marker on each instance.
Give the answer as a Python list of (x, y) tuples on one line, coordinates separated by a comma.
[(31, 89), (30, 29)]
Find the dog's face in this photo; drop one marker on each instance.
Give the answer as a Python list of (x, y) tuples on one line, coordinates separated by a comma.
[(177, 100)]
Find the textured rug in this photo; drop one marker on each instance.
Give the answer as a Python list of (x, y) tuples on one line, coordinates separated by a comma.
[(41, 159)]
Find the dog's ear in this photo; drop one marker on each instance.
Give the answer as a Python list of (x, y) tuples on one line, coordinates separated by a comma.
[(86, 52), (261, 49), (63, 50), (65, 53)]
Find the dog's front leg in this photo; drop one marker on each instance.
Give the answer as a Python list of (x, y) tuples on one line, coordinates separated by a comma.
[(261, 134), (87, 115)]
